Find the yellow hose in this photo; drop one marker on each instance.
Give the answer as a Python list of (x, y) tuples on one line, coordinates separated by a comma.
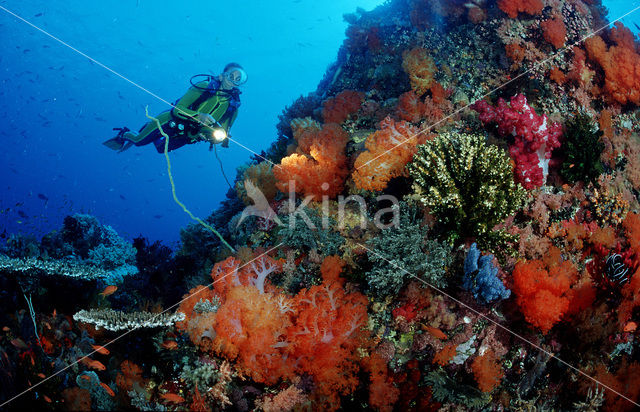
[(173, 186)]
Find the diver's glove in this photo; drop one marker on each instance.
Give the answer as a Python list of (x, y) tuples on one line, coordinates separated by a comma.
[(205, 119)]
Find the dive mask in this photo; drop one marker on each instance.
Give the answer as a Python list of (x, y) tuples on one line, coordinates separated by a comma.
[(237, 76)]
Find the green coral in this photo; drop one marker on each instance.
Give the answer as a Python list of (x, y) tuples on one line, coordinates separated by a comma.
[(467, 184), (404, 250), (582, 148), (295, 232), (448, 390)]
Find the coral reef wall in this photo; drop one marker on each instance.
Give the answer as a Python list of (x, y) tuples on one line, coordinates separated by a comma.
[(449, 222)]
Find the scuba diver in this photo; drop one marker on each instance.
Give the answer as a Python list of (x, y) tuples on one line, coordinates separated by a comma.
[(204, 113)]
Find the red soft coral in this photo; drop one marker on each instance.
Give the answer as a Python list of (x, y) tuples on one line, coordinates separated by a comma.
[(631, 226), (487, 371), (319, 167), (554, 31), (337, 109), (388, 150), (513, 7), (534, 137)]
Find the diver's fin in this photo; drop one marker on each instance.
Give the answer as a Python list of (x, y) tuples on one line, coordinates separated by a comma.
[(117, 143), (127, 144)]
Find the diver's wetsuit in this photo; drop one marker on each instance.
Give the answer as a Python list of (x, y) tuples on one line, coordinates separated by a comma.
[(181, 124)]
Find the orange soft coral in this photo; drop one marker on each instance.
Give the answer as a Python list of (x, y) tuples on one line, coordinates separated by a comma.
[(337, 109), (487, 371), (554, 31), (319, 166), (388, 150), (420, 67), (620, 63), (326, 332), (331, 268), (513, 7), (543, 289), (445, 355), (251, 328)]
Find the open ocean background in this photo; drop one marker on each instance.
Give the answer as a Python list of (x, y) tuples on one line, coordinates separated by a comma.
[(58, 106)]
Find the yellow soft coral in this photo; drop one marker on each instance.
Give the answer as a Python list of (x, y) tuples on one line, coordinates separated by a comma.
[(420, 68)]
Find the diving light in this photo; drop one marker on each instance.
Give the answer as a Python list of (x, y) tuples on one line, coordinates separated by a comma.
[(219, 134)]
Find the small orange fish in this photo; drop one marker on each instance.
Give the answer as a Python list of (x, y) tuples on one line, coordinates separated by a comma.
[(54, 314), (172, 397), (46, 398), (101, 349), (170, 344), (41, 375), (630, 327), (19, 343), (437, 333), (86, 377), (6, 329), (94, 364), (109, 290), (108, 389)]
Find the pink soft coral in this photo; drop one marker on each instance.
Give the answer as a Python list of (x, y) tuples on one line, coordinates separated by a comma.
[(535, 137)]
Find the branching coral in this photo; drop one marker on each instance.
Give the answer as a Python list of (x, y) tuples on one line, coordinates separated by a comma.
[(534, 137), (466, 184), (387, 152), (411, 254), (319, 165)]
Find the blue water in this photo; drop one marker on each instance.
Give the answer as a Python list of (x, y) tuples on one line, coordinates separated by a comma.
[(58, 106)]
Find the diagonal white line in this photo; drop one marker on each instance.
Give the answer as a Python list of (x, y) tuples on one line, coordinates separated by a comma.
[(131, 330), (553, 56), (120, 75), (517, 335)]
